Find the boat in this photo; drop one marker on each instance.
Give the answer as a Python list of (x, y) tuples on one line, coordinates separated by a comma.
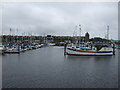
[(2, 49), (89, 48), (97, 50), (12, 50), (51, 44)]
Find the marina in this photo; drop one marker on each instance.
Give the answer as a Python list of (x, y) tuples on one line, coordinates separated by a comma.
[(59, 45), (73, 45), (87, 47), (67, 63), (52, 64)]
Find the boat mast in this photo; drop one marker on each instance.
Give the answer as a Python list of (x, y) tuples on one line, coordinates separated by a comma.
[(79, 34), (75, 35), (107, 32), (10, 36)]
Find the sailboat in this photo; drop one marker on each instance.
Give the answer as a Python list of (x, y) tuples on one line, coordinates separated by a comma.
[(89, 49)]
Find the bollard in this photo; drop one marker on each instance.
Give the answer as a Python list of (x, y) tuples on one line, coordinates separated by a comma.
[(65, 46), (113, 49)]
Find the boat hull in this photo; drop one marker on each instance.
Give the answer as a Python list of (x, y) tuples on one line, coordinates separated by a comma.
[(88, 53)]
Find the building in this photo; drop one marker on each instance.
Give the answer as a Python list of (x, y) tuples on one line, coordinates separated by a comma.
[(49, 38), (87, 36)]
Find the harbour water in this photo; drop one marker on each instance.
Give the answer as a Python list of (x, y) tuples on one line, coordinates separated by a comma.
[(47, 67)]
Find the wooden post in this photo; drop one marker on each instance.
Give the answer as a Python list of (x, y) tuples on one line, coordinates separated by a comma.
[(65, 46), (113, 49)]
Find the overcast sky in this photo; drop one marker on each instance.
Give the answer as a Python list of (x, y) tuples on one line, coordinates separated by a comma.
[(60, 18)]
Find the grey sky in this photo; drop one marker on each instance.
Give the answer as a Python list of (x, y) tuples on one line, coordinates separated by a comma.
[(61, 18)]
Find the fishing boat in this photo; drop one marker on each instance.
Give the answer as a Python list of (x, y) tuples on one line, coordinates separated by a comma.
[(96, 50), (89, 49)]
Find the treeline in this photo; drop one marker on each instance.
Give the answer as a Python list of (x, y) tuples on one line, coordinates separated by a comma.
[(55, 39), (98, 39), (8, 38)]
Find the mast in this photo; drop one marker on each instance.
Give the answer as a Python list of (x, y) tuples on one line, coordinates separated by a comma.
[(79, 34), (10, 35), (17, 34), (75, 35), (105, 35), (107, 32), (10, 32), (44, 38)]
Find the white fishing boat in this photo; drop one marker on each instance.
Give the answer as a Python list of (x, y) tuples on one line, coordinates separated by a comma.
[(95, 51), (87, 48)]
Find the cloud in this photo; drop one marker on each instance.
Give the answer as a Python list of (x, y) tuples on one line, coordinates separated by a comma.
[(61, 18)]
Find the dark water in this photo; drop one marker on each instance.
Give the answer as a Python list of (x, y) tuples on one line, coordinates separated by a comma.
[(49, 68)]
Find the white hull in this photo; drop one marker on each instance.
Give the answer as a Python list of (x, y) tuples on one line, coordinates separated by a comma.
[(2, 50), (89, 52), (51, 44), (69, 52)]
